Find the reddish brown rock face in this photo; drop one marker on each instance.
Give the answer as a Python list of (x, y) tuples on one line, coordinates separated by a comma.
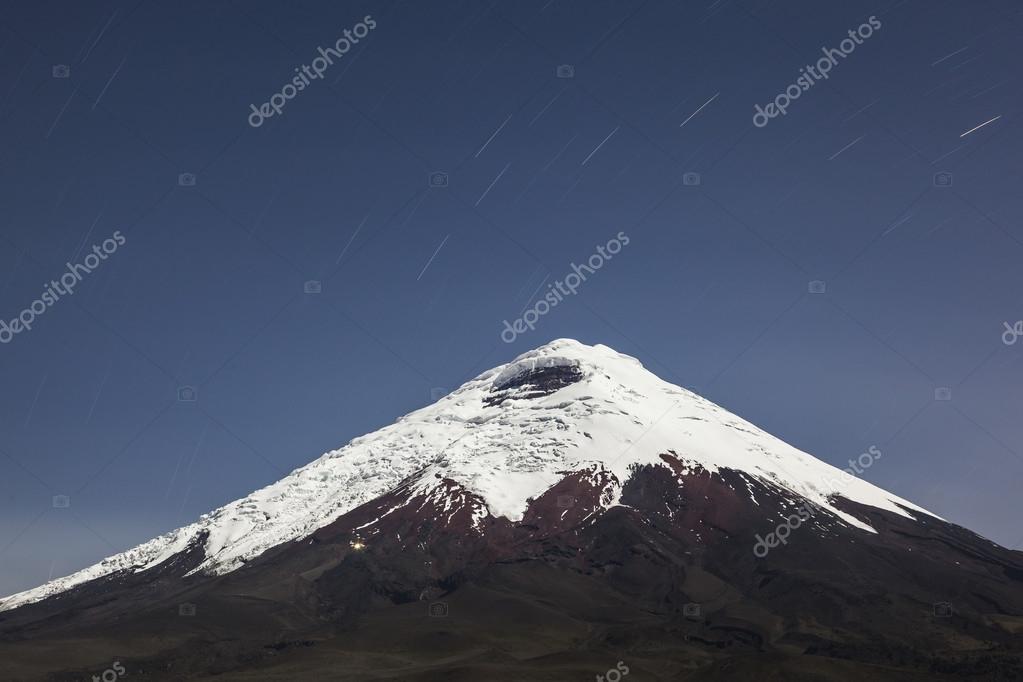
[(666, 580)]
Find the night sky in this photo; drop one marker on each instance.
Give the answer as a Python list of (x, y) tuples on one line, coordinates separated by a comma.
[(827, 275)]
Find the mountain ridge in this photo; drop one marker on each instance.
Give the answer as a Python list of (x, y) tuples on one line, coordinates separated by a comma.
[(576, 405)]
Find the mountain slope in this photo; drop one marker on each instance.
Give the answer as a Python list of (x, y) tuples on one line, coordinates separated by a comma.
[(507, 440), (548, 519)]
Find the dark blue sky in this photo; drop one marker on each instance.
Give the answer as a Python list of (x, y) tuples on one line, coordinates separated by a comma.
[(712, 291)]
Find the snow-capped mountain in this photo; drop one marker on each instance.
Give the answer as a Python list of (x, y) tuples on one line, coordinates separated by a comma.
[(553, 515), (503, 439)]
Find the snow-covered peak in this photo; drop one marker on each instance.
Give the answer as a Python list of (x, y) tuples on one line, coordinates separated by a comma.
[(561, 352), (507, 436)]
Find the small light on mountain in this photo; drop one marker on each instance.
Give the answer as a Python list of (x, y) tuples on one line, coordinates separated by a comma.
[(357, 545)]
